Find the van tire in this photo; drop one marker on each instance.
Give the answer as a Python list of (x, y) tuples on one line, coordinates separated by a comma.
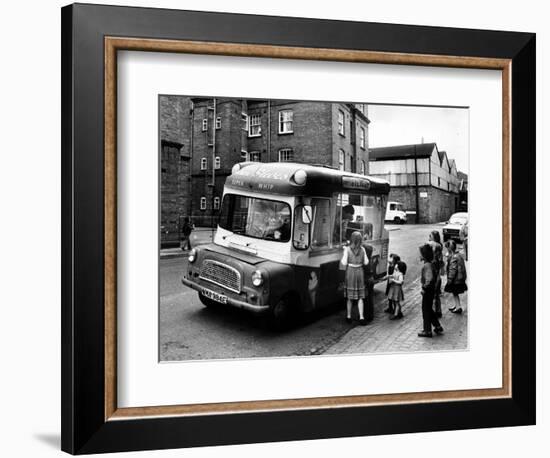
[(283, 313), (397, 220)]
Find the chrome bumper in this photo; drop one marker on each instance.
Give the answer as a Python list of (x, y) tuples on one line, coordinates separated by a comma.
[(230, 301)]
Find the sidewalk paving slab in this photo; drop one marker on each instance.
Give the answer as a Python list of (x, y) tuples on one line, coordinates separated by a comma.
[(383, 335)]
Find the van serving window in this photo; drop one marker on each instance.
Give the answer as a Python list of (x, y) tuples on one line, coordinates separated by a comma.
[(321, 231)]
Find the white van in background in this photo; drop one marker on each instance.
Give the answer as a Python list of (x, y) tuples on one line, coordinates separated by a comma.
[(396, 213)]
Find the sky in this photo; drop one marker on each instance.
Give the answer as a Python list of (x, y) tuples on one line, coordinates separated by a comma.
[(403, 125)]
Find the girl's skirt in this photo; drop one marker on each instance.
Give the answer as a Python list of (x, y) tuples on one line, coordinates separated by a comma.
[(355, 283), (455, 288), (396, 293)]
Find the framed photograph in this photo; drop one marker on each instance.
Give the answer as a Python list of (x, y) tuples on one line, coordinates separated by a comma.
[(282, 228)]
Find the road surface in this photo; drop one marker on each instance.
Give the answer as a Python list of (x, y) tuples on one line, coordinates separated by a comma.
[(189, 331)]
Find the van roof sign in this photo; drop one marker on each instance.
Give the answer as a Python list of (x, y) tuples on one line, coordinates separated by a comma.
[(356, 183), (282, 178)]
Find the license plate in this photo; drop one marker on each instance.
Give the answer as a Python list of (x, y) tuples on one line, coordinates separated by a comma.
[(215, 296)]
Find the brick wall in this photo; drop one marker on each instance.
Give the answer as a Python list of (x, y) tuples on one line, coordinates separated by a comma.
[(202, 188), (310, 139), (175, 191), (175, 182), (350, 141), (230, 139), (175, 120), (435, 207)]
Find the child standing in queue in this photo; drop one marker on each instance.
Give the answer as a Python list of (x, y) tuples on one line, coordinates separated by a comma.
[(353, 260), (396, 288), (392, 260), (428, 280), (456, 276)]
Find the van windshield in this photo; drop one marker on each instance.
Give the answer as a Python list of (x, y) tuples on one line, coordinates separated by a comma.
[(255, 217)]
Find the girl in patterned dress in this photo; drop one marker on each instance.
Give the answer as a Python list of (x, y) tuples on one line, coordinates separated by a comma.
[(353, 260), (395, 293)]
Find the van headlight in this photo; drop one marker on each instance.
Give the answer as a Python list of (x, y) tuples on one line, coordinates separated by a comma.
[(257, 278), (192, 255)]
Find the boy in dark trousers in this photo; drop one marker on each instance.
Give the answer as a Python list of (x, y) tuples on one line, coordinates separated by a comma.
[(428, 281), (186, 233)]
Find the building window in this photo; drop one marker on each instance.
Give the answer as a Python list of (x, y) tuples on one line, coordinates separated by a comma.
[(285, 122), (362, 167), (204, 163), (254, 156), (217, 162), (255, 125), (362, 137), (286, 155), (341, 125), (216, 203), (203, 203), (218, 123), (341, 160), (204, 124), (244, 121)]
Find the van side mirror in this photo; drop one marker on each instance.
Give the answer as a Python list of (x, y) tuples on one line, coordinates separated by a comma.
[(307, 214)]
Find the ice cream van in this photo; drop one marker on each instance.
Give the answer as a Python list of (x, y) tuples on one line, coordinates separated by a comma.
[(280, 238)]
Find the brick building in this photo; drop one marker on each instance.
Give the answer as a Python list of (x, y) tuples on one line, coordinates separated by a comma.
[(217, 133), (175, 181), (422, 178)]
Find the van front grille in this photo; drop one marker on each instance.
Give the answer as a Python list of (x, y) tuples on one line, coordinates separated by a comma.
[(221, 275)]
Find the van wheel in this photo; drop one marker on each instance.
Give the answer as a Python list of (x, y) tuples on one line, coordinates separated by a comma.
[(207, 302), (397, 220), (281, 315)]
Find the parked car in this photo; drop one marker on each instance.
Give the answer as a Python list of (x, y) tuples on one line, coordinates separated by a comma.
[(396, 213), (451, 230)]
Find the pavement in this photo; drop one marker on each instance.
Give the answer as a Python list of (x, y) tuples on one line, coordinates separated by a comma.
[(383, 335), (199, 236)]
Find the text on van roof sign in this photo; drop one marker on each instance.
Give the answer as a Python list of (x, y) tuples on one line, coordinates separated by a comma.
[(356, 183)]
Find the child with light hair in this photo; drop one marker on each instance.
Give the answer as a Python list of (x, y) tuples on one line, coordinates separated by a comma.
[(353, 260)]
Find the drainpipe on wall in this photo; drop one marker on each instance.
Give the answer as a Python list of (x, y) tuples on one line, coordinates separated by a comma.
[(213, 182), (191, 154), (417, 216), (269, 131), (353, 139)]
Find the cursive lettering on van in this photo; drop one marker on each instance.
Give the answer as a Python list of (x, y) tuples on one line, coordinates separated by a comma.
[(270, 174), (355, 183)]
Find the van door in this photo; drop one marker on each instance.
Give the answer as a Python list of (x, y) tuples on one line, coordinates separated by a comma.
[(328, 253)]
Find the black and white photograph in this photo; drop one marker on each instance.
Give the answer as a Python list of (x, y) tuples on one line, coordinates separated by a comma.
[(293, 228), (246, 229)]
